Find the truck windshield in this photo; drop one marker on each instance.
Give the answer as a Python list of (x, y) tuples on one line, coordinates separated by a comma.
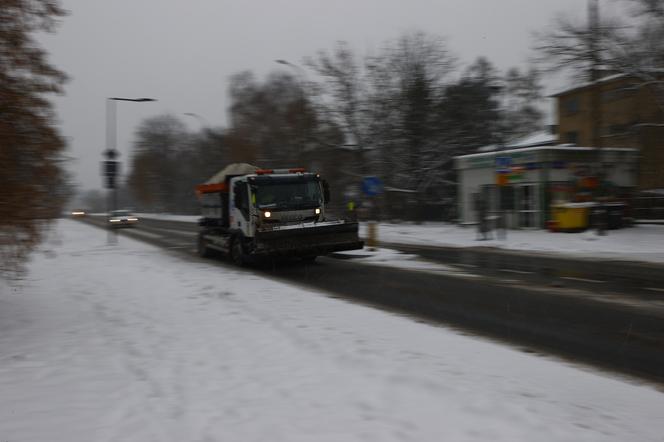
[(289, 195)]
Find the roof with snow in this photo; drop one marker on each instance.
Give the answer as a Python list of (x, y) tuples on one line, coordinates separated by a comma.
[(586, 84), (543, 138), (559, 148)]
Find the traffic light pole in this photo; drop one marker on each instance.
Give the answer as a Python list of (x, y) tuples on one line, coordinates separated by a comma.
[(111, 167)]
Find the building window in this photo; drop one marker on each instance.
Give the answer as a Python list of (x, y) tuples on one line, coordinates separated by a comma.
[(572, 137), (571, 106), (507, 198)]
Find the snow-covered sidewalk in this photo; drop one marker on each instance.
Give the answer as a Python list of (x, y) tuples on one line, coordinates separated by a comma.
[(127, 343)]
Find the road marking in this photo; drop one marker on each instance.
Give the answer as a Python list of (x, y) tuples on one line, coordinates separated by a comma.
[(176, 231), (572, 278), (144, 233), (468, 265), (522, 272), (655, 289)]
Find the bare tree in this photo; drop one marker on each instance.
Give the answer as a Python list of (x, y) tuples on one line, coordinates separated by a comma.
[(342, 97), (638, 50), (649, 8), (577, 45), (272, 122), (408, 81), (156, 169), (633, 46), (31, 147), (522, 94)]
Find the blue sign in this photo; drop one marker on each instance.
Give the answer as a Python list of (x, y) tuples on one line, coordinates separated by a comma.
[(372, 185), (503, 164)]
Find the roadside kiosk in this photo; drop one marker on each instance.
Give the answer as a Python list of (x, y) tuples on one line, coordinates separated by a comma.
[(546, 186)]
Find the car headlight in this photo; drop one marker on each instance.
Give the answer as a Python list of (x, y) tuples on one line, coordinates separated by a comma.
[(317, 210), (267, 214)]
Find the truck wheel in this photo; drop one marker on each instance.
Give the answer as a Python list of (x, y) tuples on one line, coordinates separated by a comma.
[(202, 248), (237, 252)]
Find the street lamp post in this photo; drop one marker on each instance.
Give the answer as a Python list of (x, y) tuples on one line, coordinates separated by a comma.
[(111, 166), (300, 71), (200, 119)]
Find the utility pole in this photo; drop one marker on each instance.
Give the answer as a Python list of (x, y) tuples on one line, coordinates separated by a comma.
[(595, 73), (600, 214)]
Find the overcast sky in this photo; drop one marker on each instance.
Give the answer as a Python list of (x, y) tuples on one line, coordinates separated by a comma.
[(182, 52)]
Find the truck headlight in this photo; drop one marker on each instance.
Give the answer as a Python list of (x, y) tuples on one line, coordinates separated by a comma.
[(267, 214)]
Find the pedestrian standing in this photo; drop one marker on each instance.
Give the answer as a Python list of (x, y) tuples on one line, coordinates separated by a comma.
[(350, 208), (482, 226)]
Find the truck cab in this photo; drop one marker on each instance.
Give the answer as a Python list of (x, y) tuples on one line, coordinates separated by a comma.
[(267, 200)]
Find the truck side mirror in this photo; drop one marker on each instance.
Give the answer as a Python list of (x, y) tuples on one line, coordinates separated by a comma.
[(326, 192)]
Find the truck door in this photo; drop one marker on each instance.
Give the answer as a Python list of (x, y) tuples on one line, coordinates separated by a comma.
[(241, 215)]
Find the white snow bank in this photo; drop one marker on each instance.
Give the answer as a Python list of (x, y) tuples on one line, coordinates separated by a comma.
[(639, 243), (393, 258), (128, 343)]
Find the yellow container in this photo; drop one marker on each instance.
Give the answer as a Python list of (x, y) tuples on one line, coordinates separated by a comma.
[(571, 216), (372, 235)]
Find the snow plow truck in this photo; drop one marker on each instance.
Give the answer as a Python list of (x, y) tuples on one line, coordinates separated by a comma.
[(250, 213)]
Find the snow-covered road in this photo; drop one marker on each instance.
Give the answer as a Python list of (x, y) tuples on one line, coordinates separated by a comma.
[(124, 343)]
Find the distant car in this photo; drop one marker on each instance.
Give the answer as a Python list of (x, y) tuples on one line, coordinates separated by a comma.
[(78, 213), (122, 218)]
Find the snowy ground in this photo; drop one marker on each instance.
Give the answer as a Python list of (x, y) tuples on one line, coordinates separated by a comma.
[(393, 258), (638, 243), (124, 343)]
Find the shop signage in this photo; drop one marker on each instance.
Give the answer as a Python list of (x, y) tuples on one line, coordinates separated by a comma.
[(501, 162), (510, 175)]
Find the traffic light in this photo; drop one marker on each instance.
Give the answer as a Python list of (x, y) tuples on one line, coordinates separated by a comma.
[(110, 170)]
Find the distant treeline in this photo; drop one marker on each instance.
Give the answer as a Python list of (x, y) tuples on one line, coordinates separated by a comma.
[(401, 115)]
